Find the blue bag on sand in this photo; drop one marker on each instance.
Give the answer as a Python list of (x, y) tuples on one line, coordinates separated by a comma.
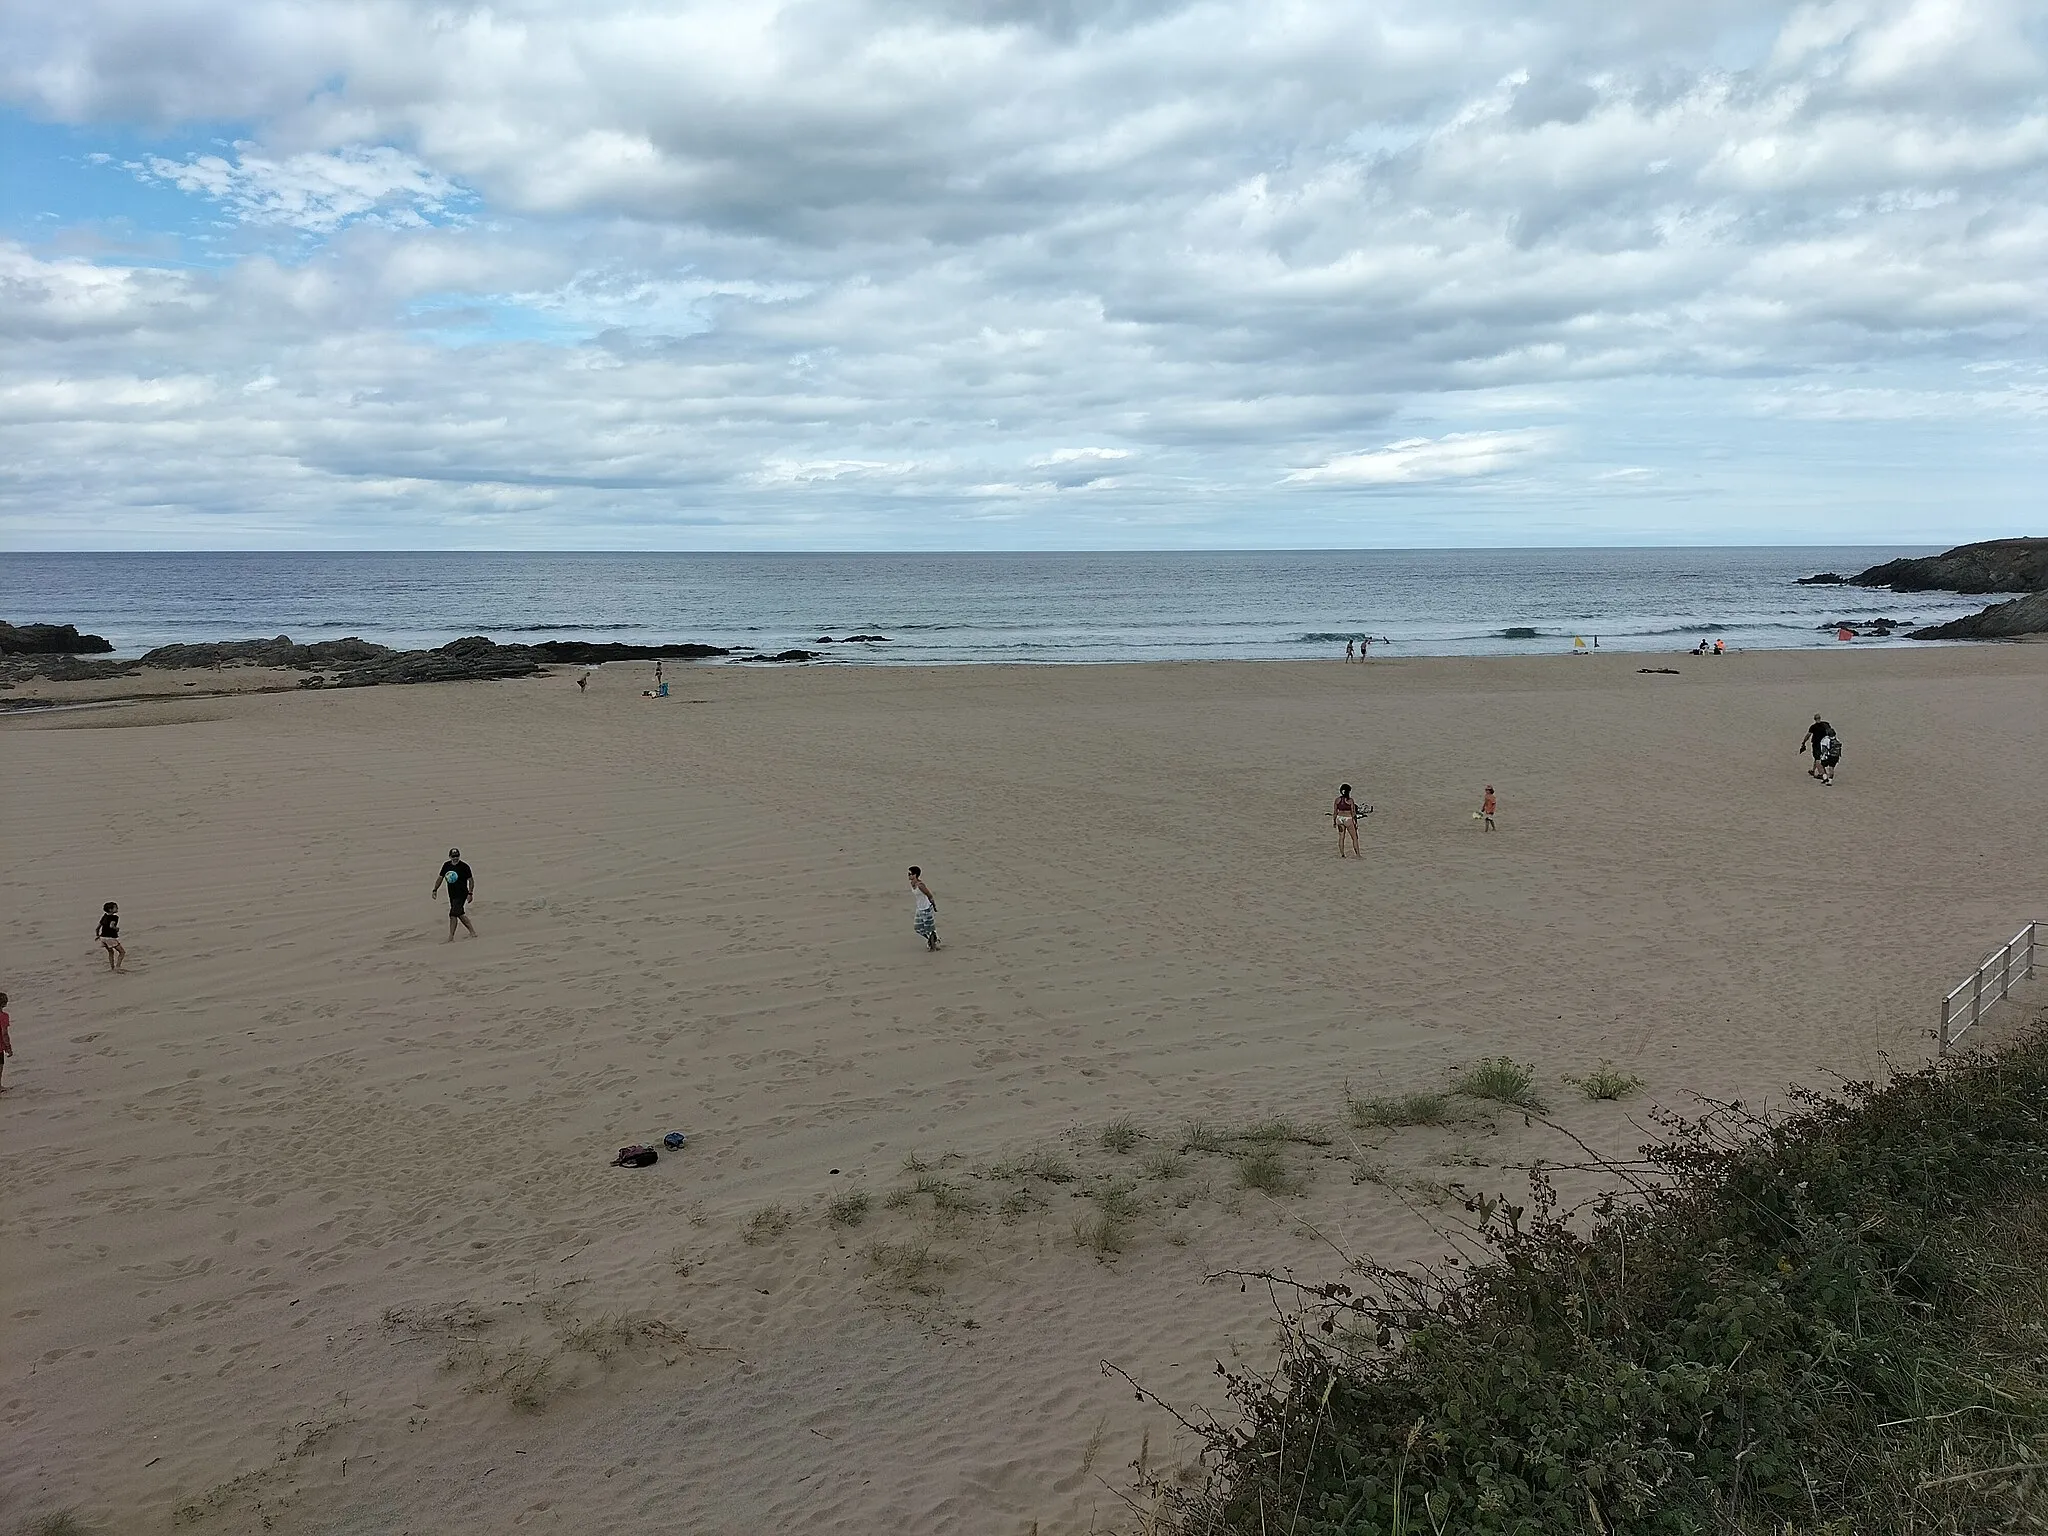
[(673, 1140)]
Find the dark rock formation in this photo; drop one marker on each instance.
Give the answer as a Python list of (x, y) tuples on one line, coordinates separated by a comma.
[(786, 656), (1824, 579), (64, 669), (589, 653), (473, 658), (852, 640), (1875, 626), (50, 640), (2001, 621), (1518, 632), (1998, 565), (280, 652)]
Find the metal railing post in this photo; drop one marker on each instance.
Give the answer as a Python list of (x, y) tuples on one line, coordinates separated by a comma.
[(1942, 1033), (1977, 996), (2033, 930)]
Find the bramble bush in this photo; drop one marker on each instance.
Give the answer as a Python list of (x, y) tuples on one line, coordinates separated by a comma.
[(1836, 1322)]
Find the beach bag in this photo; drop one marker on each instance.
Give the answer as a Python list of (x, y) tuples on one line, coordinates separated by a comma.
[(635, 1157), (1831, 750)]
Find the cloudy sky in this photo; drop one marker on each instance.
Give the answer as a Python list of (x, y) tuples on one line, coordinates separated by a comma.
[(1021, 273)]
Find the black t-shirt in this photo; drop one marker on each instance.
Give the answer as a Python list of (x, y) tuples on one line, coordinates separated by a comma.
[(110, 925), (1817, 730), (458, 888)]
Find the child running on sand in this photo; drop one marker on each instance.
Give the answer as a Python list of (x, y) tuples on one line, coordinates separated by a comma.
[(926, 920), (1486, 808), (109, 935), (6, 1042)]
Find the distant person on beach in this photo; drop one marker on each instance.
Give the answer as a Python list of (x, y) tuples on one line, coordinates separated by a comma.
[(657, 669), (1816, 733), (1345, 814), (1350, 650), (1720, 647), (583, 683), (6, 1042), (109, 935), (926, 908), (1364, 647), (459, 881), (1486, 805)]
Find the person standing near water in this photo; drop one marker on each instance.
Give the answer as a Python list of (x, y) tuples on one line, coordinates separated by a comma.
[(459, 881), (926, 920), (1350, 650)]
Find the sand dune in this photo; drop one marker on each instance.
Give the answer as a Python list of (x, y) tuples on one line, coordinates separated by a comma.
[(310, 1227)]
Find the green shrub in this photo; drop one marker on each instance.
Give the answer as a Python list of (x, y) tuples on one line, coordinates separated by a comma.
[(1120, 1135), (1407, 1109), (1501, 1080), (1605, 1082), (1832, 1323)]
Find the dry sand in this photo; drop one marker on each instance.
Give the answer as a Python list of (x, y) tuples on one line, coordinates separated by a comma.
[(309, 1226)]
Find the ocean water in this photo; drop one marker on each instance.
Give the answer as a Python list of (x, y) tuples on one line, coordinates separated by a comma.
[(981, 607)]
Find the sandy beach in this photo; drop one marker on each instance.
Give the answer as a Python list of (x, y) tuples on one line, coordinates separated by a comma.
[(310, 1226)]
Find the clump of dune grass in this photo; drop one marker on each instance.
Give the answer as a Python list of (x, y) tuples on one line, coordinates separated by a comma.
[(765, 1225), (1120, 1135), (1118, 1201), (1201, 1136), (1501, 1080), (1164, 1164), (59, 1522), (1605, 1082), (916, 1267), (1037, 1164), (848, 1208), (1403, 1109), (605, 1337), (913, 1163), (525, 1376), (947, 1198), (1266, 1170), (1102, 1233), (1018, 1203)]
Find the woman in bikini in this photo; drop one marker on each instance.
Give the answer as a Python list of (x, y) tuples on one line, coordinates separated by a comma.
[(1345, 815)]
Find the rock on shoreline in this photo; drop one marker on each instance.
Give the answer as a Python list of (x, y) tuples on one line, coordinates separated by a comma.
[(50, 640), (2001, 621), (357, 663), (1997, 565)]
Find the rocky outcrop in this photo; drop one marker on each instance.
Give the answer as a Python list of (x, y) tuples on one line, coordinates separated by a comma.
[(280, 652), (473, 658), (590, 653), (2001, 621), (1824, 579), (50, 640), (1998, 565)]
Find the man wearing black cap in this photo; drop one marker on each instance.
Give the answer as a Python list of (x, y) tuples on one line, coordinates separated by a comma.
[(459, 881)]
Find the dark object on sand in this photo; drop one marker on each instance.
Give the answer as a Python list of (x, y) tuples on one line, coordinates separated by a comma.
[(673, 1140), (50, 640), (2001, 621), (1660, 671), (1997, 565), (636, 1157)]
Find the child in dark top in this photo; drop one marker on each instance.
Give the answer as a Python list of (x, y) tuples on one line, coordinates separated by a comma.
[(109, 935), (6, 1042)]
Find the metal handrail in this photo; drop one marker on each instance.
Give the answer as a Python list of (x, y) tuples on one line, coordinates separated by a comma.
[(1989, 984)]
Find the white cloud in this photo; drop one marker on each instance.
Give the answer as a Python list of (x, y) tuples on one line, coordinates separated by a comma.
[(705, 267), (1419, 460), (315, 192)]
